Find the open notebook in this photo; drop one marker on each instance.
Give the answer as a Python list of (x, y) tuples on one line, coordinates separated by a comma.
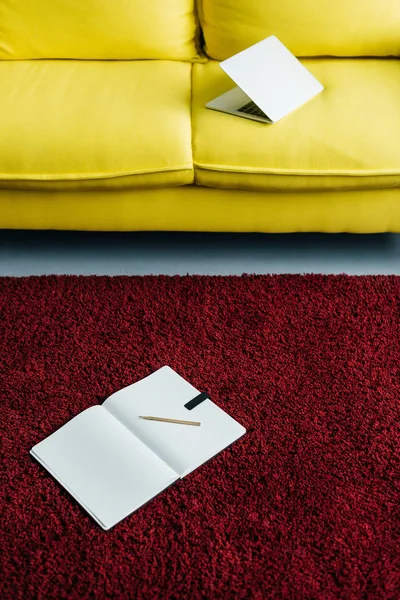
[(112, 462)]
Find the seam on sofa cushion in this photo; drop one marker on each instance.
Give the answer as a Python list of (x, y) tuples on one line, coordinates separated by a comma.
[(274, 171), (79, 176)]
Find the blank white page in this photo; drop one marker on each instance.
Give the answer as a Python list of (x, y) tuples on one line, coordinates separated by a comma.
[(272, 77), (164, 394), (104, 466)]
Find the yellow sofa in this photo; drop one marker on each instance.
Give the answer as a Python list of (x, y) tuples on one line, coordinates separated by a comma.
[(103, 123)]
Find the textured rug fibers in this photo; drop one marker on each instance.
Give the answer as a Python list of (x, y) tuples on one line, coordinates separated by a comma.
[(305, 506)]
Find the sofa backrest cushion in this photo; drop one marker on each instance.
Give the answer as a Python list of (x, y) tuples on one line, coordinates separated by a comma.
[(97, 29), (306, 27)]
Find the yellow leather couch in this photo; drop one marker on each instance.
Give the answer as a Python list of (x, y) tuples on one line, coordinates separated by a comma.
[(103, 124)]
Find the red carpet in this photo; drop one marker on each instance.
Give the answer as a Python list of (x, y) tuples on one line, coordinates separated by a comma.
[(305, 506)]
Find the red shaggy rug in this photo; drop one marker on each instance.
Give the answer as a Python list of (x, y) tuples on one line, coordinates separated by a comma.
[(305, 506)]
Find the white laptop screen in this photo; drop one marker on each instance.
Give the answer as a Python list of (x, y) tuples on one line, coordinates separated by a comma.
[(272, 77)]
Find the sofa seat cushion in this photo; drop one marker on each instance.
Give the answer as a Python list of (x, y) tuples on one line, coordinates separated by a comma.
[(78, 124), (348, 137), (97, 29)]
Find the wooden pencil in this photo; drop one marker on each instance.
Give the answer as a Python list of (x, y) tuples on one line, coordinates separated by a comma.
[(165, 420)]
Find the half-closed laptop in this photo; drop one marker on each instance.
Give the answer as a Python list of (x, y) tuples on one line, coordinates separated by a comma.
[(271, 83)]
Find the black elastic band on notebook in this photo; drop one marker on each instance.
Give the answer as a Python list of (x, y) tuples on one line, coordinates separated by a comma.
[(196, 401)]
